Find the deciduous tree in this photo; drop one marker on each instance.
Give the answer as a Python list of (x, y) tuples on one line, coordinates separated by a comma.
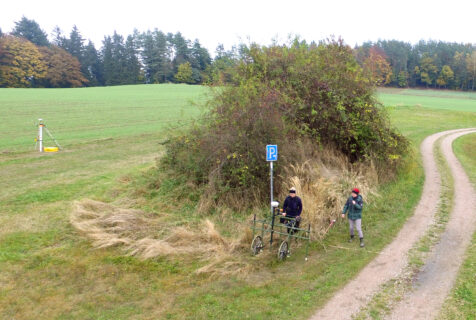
[(378, 67), (428, 70), (445, 77), (20, 63), (184, 73), (63, 70)]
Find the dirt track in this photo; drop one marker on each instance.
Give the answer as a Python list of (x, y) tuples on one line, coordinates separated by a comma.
[(393, 259)]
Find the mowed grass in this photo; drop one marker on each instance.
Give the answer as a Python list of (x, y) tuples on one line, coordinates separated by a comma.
[(79, 115), (48, 270), (434, 99)]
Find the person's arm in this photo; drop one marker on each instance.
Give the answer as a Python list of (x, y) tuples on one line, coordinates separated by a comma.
[(346, 207), (285, 206), (299, 207), (359, 204)]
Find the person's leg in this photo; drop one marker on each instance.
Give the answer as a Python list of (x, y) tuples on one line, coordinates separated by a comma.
[(351, 229), (296, 225), (358, 224)]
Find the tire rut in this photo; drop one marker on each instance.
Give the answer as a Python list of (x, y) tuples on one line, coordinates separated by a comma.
[(437, 276), (393, 258)]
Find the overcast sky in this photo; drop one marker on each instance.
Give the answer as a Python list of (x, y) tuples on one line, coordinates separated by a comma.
[(231, 22)]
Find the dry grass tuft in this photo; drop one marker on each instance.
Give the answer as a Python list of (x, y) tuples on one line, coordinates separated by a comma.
[(142, 234), (323, 183)]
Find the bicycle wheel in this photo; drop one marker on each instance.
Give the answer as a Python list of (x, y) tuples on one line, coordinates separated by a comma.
[(283, 251), (256, 245)]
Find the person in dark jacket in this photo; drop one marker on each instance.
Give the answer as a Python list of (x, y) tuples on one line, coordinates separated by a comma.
[(354, 205), (292, 208)]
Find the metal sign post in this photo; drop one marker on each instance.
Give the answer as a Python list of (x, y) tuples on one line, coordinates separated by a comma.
[(271, 156)]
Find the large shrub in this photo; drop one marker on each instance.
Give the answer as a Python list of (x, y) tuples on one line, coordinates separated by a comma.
[(301, 97)]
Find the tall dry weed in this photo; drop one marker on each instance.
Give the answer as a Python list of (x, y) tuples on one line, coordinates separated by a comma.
[(145, 236), (323, 183)]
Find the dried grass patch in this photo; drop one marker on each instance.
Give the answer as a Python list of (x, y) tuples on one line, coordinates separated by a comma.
[(147, 236)]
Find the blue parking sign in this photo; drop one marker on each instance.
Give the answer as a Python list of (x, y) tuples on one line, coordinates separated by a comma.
[(271, 152)]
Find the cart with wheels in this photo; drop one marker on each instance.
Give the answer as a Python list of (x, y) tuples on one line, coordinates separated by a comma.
[(281, 227)]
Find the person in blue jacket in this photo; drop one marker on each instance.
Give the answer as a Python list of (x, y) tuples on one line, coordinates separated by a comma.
[(354, 205), (292, 208)]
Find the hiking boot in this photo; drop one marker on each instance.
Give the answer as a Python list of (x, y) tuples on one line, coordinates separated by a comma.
[(351, 238), (362, 242)]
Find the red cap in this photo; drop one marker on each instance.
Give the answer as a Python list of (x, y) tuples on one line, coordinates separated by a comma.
[(355, 190)]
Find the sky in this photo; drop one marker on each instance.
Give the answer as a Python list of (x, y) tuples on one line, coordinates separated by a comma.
[(232, 22)]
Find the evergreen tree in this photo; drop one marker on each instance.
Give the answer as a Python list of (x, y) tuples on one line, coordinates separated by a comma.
[(75, 44), (30, 30), (1, 33), (200, 60), (200, 56), (92, 65), (108, 63), (149, 56), (132, 65), (59, 39), (156, 52), (114, 60), (181, 51), (119, 59), (164, 72)]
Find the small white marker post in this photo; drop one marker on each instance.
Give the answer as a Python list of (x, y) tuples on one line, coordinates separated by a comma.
[(40, 134)]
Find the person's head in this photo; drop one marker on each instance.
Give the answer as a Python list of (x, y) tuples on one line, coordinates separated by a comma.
[(355, 192), (292, 192)]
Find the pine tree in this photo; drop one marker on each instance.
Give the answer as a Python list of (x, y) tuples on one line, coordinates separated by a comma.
[(92, 65), (108, 63), (132, 65), (149, 56), (59, 39), (164, 71), (156, 52), (75, 44), (181, 50), (30, 30)]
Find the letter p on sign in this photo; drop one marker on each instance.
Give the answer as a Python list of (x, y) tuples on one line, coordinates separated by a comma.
[(271, 152)]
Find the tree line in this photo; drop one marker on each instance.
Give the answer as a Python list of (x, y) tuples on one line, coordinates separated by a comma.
[(430, 64), (29, 59)]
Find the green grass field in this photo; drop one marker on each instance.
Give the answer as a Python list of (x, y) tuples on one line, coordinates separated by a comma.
[(85, 114), (111, 138), (434, 99)]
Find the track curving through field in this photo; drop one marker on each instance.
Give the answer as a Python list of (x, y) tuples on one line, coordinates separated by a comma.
[(425, 301)]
